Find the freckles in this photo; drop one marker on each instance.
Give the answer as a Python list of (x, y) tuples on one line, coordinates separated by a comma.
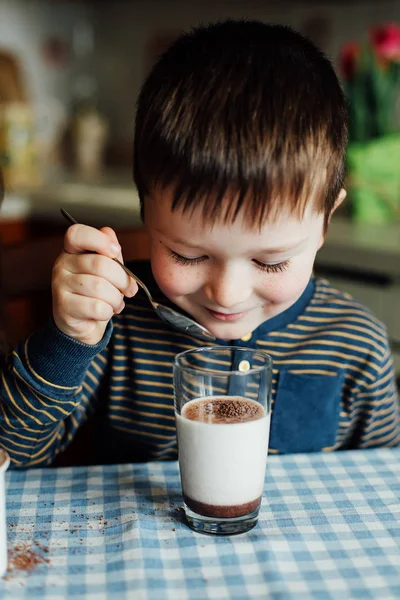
[(174, 279), (279, 288), (273, 286)]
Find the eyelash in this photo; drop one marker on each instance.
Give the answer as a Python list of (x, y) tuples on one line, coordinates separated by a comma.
[(182, 260), (277, 268)]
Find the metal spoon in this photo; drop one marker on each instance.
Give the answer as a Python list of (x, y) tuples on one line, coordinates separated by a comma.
[(170, 316)]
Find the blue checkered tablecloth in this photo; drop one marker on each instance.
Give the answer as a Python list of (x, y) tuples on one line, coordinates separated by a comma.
[(329, 529)]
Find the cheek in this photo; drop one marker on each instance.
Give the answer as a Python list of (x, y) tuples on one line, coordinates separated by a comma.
[(173, 279), (287, 286)]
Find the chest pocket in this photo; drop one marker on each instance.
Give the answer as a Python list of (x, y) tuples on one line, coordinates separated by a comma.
[(306, 411)]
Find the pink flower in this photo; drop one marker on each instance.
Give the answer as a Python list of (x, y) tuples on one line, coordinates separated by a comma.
[(386, 41), (348, 59)]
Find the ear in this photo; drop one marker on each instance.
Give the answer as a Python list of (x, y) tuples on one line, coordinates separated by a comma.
[(341, 196)]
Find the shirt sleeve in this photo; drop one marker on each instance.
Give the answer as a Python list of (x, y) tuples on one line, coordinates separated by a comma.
[(49, 385), (379, 405)]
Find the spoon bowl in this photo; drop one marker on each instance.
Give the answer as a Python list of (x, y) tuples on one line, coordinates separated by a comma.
[(167, 314)]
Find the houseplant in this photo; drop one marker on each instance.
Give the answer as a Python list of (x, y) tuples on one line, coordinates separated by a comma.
[(371, 74)]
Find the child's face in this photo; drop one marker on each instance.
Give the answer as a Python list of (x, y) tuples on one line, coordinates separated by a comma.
[(228, 277)]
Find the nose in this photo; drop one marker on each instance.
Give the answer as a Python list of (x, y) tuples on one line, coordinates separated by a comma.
[(227, 287)]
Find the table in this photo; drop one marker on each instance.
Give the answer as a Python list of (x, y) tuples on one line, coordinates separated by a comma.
[(329, 529)]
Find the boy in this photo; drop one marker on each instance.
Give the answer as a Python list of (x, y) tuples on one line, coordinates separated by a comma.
[(239, 157)]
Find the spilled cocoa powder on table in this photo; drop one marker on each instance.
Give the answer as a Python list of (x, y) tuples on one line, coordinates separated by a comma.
[(24, 557)]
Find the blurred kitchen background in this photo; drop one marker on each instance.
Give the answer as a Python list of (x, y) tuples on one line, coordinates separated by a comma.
[(69, 76)]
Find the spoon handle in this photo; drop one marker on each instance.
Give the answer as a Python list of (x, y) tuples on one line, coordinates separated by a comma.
[(72, 221)]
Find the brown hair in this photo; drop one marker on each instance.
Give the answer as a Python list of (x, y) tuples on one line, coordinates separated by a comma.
[(247, 109)]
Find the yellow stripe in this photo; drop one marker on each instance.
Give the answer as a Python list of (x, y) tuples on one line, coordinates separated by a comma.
[(85, 401), (101, 358), (10, 441), (158, 394), (97, 368), (92, 377), (328, 363), (350, 302), (328, 353), (62, 410), (152, 404), (339, 321), (377, 392), (12, 452), (155, 383), (74, 421), (342, 311), (44, 412), (142, 319), (165, 451), (148, 434), (88, 388), (376, 433), (142, 413), (381, 379), (162, 352), (8, 422), (42, 449), (8, 438), (159, 342), (372, 336), (125, 327), (73, 402), (383, 416), (357, 404), (18, 435), (154, 425), (145, 361), (313, 372), (16, 405), (334, 343), (19, 445), (139, 307), (356, 381), (124, 388), (45, 460), (330, 448), (393, 436), (59, 387), (325, 332), (145, 372)]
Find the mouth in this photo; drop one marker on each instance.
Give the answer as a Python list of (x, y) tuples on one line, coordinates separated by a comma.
[(229, 317)]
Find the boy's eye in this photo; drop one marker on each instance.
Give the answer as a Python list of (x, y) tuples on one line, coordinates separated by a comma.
[(274, 268), (183, 260)]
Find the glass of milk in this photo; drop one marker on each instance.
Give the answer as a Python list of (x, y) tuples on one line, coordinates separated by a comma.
[(222, 411), (4, 462)]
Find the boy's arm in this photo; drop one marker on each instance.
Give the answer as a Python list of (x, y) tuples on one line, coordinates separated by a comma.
[(379, 403), (49, 384)]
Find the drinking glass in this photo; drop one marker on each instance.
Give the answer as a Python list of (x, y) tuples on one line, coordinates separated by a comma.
[(222, 410)]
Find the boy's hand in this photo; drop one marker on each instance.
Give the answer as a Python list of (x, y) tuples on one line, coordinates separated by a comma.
[(88, 286)]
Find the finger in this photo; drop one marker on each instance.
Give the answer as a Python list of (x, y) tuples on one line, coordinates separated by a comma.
[(114, 240), (100, 266), (95, 287), (133, 287), (83, 308), (82, 238)]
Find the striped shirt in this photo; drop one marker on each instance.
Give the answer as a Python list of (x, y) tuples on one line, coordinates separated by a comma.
[(333, 384)]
